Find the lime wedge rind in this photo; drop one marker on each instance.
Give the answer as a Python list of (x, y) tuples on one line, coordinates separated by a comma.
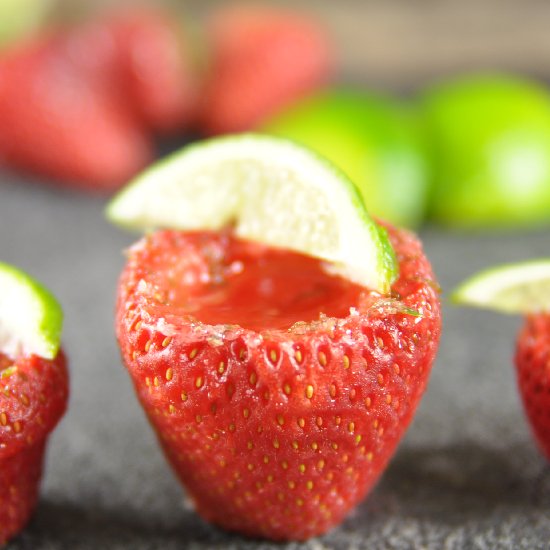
[(31, 319), (273, 191), (519, 288)]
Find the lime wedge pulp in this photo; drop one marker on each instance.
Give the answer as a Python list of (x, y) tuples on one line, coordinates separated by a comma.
[(273, 191), (514, 288), (30, 317)]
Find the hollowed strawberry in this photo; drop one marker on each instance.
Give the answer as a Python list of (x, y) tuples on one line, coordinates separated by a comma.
[(33, 397), (278, 392), (521, 288)]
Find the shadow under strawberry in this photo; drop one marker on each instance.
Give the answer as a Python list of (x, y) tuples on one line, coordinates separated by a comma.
[(459, 484), (458, 488), (63, 525)]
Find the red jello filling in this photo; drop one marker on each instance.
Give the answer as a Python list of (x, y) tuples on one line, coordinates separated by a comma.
[(224, 280)]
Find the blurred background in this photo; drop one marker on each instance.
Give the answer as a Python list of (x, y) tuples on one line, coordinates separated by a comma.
[(437, 110), (401, 43)]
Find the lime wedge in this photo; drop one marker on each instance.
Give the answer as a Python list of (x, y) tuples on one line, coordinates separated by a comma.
[(273, 191), (30, 317), (514, 288)]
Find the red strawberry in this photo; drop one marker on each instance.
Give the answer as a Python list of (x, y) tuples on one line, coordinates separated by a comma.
[(77, 105), (58, 124), (533, 374), (142, 55), (261, 60), (33, 397), (276, 418), (157, 69)]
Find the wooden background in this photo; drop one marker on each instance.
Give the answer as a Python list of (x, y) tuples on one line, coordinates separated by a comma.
[(403, 43)]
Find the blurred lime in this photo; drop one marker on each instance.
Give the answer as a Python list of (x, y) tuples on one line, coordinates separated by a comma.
[(490, 146), (374, 140), (19, 17)]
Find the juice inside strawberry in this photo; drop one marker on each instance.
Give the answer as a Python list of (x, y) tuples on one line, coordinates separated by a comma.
[(257, 287)]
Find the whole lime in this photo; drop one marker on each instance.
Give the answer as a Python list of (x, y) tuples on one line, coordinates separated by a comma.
[(374, 140), (489, 139)]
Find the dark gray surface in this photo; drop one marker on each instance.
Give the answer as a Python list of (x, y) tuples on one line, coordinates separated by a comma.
[(467, 474)]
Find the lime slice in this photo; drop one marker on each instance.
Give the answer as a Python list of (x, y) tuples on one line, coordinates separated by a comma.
[(30, 317), (273, 191), (515, 288)]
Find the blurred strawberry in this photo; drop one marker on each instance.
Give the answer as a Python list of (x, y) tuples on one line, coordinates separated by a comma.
[(158, 70), (57, 123), (142, 55), (261, 60)]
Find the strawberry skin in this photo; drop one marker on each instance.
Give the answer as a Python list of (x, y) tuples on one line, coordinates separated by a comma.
[(33, 398), (19, 482), (63, 126), (275, 433), (261, 60), (533, 376)]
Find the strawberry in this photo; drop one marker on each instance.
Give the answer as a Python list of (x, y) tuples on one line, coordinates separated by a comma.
[(79, 104), (533, 375), (261, 60), (521, 288), (157, 70), (144, 57), (277, 418), (33, 397), (63, 126)]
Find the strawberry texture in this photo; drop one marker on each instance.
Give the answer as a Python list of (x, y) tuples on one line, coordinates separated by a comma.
[(33, 398), (533, 376), (276, 427), (261, 59)]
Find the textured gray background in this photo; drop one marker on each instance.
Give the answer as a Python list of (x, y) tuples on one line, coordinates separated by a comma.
[(467, 474)]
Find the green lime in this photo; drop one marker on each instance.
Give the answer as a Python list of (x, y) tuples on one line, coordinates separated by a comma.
[(374, 140), (490, 148), (30, 317), (19, 17), (274, 191), (514, 288)]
